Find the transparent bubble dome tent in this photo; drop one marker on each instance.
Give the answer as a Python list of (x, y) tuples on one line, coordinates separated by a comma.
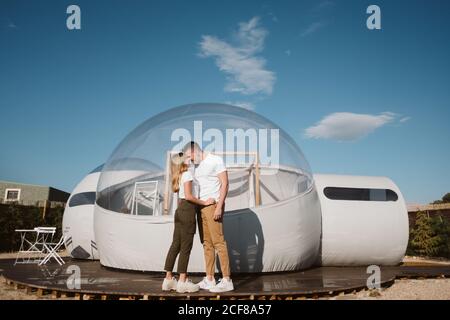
[(272, 218)]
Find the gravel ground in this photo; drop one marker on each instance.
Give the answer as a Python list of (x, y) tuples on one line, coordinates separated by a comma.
[(408, 289), (9, 293)]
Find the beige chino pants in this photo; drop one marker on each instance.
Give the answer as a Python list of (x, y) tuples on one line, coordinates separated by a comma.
[(214, 240)]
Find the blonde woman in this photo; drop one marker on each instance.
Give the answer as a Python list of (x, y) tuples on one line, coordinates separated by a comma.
[(185, 225)]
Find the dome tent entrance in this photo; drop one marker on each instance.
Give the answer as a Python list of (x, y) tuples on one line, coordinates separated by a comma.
[(272, 219)]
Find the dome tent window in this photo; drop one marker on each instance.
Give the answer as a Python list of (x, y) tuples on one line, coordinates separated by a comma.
[(80, 199), (360, 194)]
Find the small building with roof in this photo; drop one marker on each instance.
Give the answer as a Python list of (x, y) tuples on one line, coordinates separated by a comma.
[(30, 194)]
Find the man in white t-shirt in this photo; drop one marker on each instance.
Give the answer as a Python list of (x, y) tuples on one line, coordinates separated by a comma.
[(212, 181)]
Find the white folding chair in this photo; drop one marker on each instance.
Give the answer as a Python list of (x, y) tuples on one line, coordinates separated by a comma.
[(52, 249), (28, 248), (145, 197)]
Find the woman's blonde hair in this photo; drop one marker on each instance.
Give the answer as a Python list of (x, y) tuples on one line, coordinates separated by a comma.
[(177, 168)]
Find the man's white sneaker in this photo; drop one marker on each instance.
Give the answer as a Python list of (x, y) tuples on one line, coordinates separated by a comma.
[(187, 287), (224, 285), (206, 284), (169, 284)]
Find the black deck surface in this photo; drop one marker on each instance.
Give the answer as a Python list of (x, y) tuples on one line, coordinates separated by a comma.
[(96, 279)]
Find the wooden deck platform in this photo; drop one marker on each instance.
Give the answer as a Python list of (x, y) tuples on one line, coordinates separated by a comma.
[(98, 282)]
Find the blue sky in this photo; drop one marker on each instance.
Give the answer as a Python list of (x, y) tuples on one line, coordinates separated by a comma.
[(357, 101)]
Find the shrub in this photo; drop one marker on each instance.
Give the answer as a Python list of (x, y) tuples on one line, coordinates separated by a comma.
[(430, 236), (14, 216)]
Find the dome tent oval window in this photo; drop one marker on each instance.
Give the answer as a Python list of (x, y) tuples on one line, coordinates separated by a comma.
[(83, 198), (360, 194)]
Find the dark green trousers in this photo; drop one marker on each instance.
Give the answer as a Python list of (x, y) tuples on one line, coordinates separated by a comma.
[(183, 236)]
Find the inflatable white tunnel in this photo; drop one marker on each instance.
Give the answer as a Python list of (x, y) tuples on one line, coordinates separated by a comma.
[(78, 219), (364, 220)]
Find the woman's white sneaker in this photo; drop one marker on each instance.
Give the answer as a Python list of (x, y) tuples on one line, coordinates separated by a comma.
[(224, 285), (169, 284), (206, 284), (187, 287)]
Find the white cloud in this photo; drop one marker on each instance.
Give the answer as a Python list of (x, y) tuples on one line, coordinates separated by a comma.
[(313, 27), (273, 16), (318, 12), (323, 6), (246, 73), (243, 104), (346, 126), (404, 119)]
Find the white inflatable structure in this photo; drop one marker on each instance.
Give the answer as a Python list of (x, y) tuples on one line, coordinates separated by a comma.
[(364, 221), (78, 219), (277, 217)]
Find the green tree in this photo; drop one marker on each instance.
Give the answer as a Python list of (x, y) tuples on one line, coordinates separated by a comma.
[(445, 199), (424, 239), (441, 227), (14, 216)]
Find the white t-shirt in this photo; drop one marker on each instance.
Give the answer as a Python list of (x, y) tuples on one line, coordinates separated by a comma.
[(206, 176), (185, 177)]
